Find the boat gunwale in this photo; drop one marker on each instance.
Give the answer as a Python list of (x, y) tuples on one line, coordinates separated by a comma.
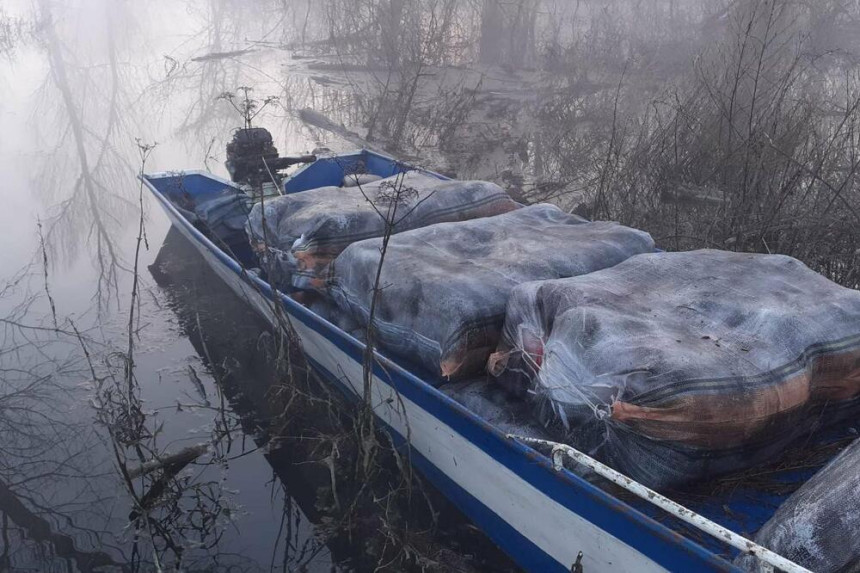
[(384, 368)]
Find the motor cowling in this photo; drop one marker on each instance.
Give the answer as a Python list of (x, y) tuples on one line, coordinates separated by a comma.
[(252, 158), (249, 153)]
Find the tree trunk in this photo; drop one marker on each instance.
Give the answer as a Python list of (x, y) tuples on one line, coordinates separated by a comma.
[(492, 31)]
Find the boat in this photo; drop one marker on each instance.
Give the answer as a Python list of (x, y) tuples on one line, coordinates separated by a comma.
[(517, 490)]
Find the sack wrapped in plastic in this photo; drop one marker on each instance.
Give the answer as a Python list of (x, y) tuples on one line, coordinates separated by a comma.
[(674, 367), (221, 216), (228, 210), (304, 232), (444, 287), (818, 527), (484, 398)]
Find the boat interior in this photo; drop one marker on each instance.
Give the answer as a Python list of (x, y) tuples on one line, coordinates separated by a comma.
[(741, 502)]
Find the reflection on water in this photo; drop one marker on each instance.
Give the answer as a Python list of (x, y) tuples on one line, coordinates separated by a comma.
[(208, 461), (236, 348), (186, 476)]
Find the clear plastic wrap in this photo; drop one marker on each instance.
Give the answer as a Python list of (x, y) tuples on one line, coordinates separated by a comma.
[(673, 367), (818, 527), (444, 287), (226, 213), (484, 398), (221, 216), (303, 232)]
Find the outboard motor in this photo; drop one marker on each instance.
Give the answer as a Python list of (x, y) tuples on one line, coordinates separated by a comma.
[(252, 159)]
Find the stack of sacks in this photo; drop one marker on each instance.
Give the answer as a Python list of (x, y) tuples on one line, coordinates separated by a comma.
[(304, 232), (818, 527), (444, 287), (673, 367)]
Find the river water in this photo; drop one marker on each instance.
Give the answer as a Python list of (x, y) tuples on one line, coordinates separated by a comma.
[(85, 85)]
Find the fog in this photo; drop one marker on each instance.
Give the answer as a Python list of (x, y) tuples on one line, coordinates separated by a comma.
[(731, 124)]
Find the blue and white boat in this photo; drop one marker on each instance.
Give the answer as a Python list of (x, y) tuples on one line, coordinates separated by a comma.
[(543, 515)]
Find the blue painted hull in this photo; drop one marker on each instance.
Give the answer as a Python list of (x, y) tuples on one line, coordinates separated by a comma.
[(541, 517)]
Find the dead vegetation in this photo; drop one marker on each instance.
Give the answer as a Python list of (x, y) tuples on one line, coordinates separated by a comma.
[(730, 124), (755, 149), (14, 32)]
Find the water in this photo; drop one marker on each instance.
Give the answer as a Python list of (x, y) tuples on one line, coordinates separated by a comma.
[(200, 373)]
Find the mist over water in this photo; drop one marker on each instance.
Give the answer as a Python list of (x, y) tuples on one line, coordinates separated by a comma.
[(64, 504), (649, 115)]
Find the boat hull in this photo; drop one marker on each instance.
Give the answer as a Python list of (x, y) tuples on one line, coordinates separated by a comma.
[(541, 517)]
